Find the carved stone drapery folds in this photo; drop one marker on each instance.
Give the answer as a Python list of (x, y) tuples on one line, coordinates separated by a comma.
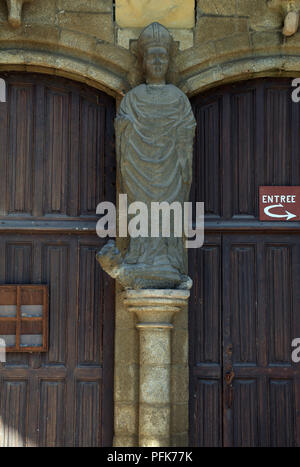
[(15, 11), (290, 10)]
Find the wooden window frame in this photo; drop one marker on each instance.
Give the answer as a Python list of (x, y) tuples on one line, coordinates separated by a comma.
[(19, 319)]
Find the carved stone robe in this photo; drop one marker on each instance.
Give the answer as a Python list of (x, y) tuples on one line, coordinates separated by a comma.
[(155, 128)]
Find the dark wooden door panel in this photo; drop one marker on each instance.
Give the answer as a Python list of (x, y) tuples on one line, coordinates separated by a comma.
[(57, 147), (252, 281), (244, 302), (57, 164), (260, 312), (62, 389), (206, 343), (247, 136)]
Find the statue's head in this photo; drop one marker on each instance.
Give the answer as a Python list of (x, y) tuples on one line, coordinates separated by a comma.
[(154, 46)]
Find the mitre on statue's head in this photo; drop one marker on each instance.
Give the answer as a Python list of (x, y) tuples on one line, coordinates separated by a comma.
[(154, 35)]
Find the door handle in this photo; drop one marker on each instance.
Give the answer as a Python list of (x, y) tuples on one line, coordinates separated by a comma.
[(229, 376)]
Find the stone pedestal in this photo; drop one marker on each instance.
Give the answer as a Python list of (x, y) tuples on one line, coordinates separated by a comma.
[(155, 310)]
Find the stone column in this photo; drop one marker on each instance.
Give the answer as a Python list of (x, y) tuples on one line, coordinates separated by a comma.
[(155, 310)]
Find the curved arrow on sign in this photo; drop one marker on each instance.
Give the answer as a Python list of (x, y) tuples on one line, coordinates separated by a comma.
[(286, 216)]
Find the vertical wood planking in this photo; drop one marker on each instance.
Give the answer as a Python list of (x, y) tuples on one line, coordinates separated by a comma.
[(39, 150), (259, 128), (20, 149), (71, 384), (18, 325), (57, 151), (74, 172), (4, 154), (52, 420), (242, 152)]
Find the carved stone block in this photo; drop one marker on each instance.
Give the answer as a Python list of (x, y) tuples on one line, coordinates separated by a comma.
[(15, 11), (170, 13), (290, 11)]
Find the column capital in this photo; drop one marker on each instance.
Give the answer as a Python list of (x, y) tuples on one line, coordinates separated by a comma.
[(155, 307)]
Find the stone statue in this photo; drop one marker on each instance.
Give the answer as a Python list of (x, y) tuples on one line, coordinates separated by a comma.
[(155, 129)]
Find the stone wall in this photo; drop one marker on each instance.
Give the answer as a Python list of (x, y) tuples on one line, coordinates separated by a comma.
[(219, 41), (72, 38), (237, 39), (89, 40)]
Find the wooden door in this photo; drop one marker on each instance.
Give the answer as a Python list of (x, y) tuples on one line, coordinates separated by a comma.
[(245, 389), (57, 164)]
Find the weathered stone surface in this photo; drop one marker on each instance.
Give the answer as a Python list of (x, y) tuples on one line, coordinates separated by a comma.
[(157, 441), (257, 11), (98, 25), (42, 33), (170, 13), (179, 418), (185, 37), (180, 320), (203, 79), (78, 41), (155, 384), (154, 346), (211, 28), (125, 441), (123, 319), (233, 44), (202, 53), (114, 83), (179, 384), (265, 39), (262, 22), (126, 382), (156, 424), (39, 11), (217, 7), (251, 7), (121, 60), (292, 41), (180, 346), (124, 36), (126, 419), (91, 6), (127, 354)]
